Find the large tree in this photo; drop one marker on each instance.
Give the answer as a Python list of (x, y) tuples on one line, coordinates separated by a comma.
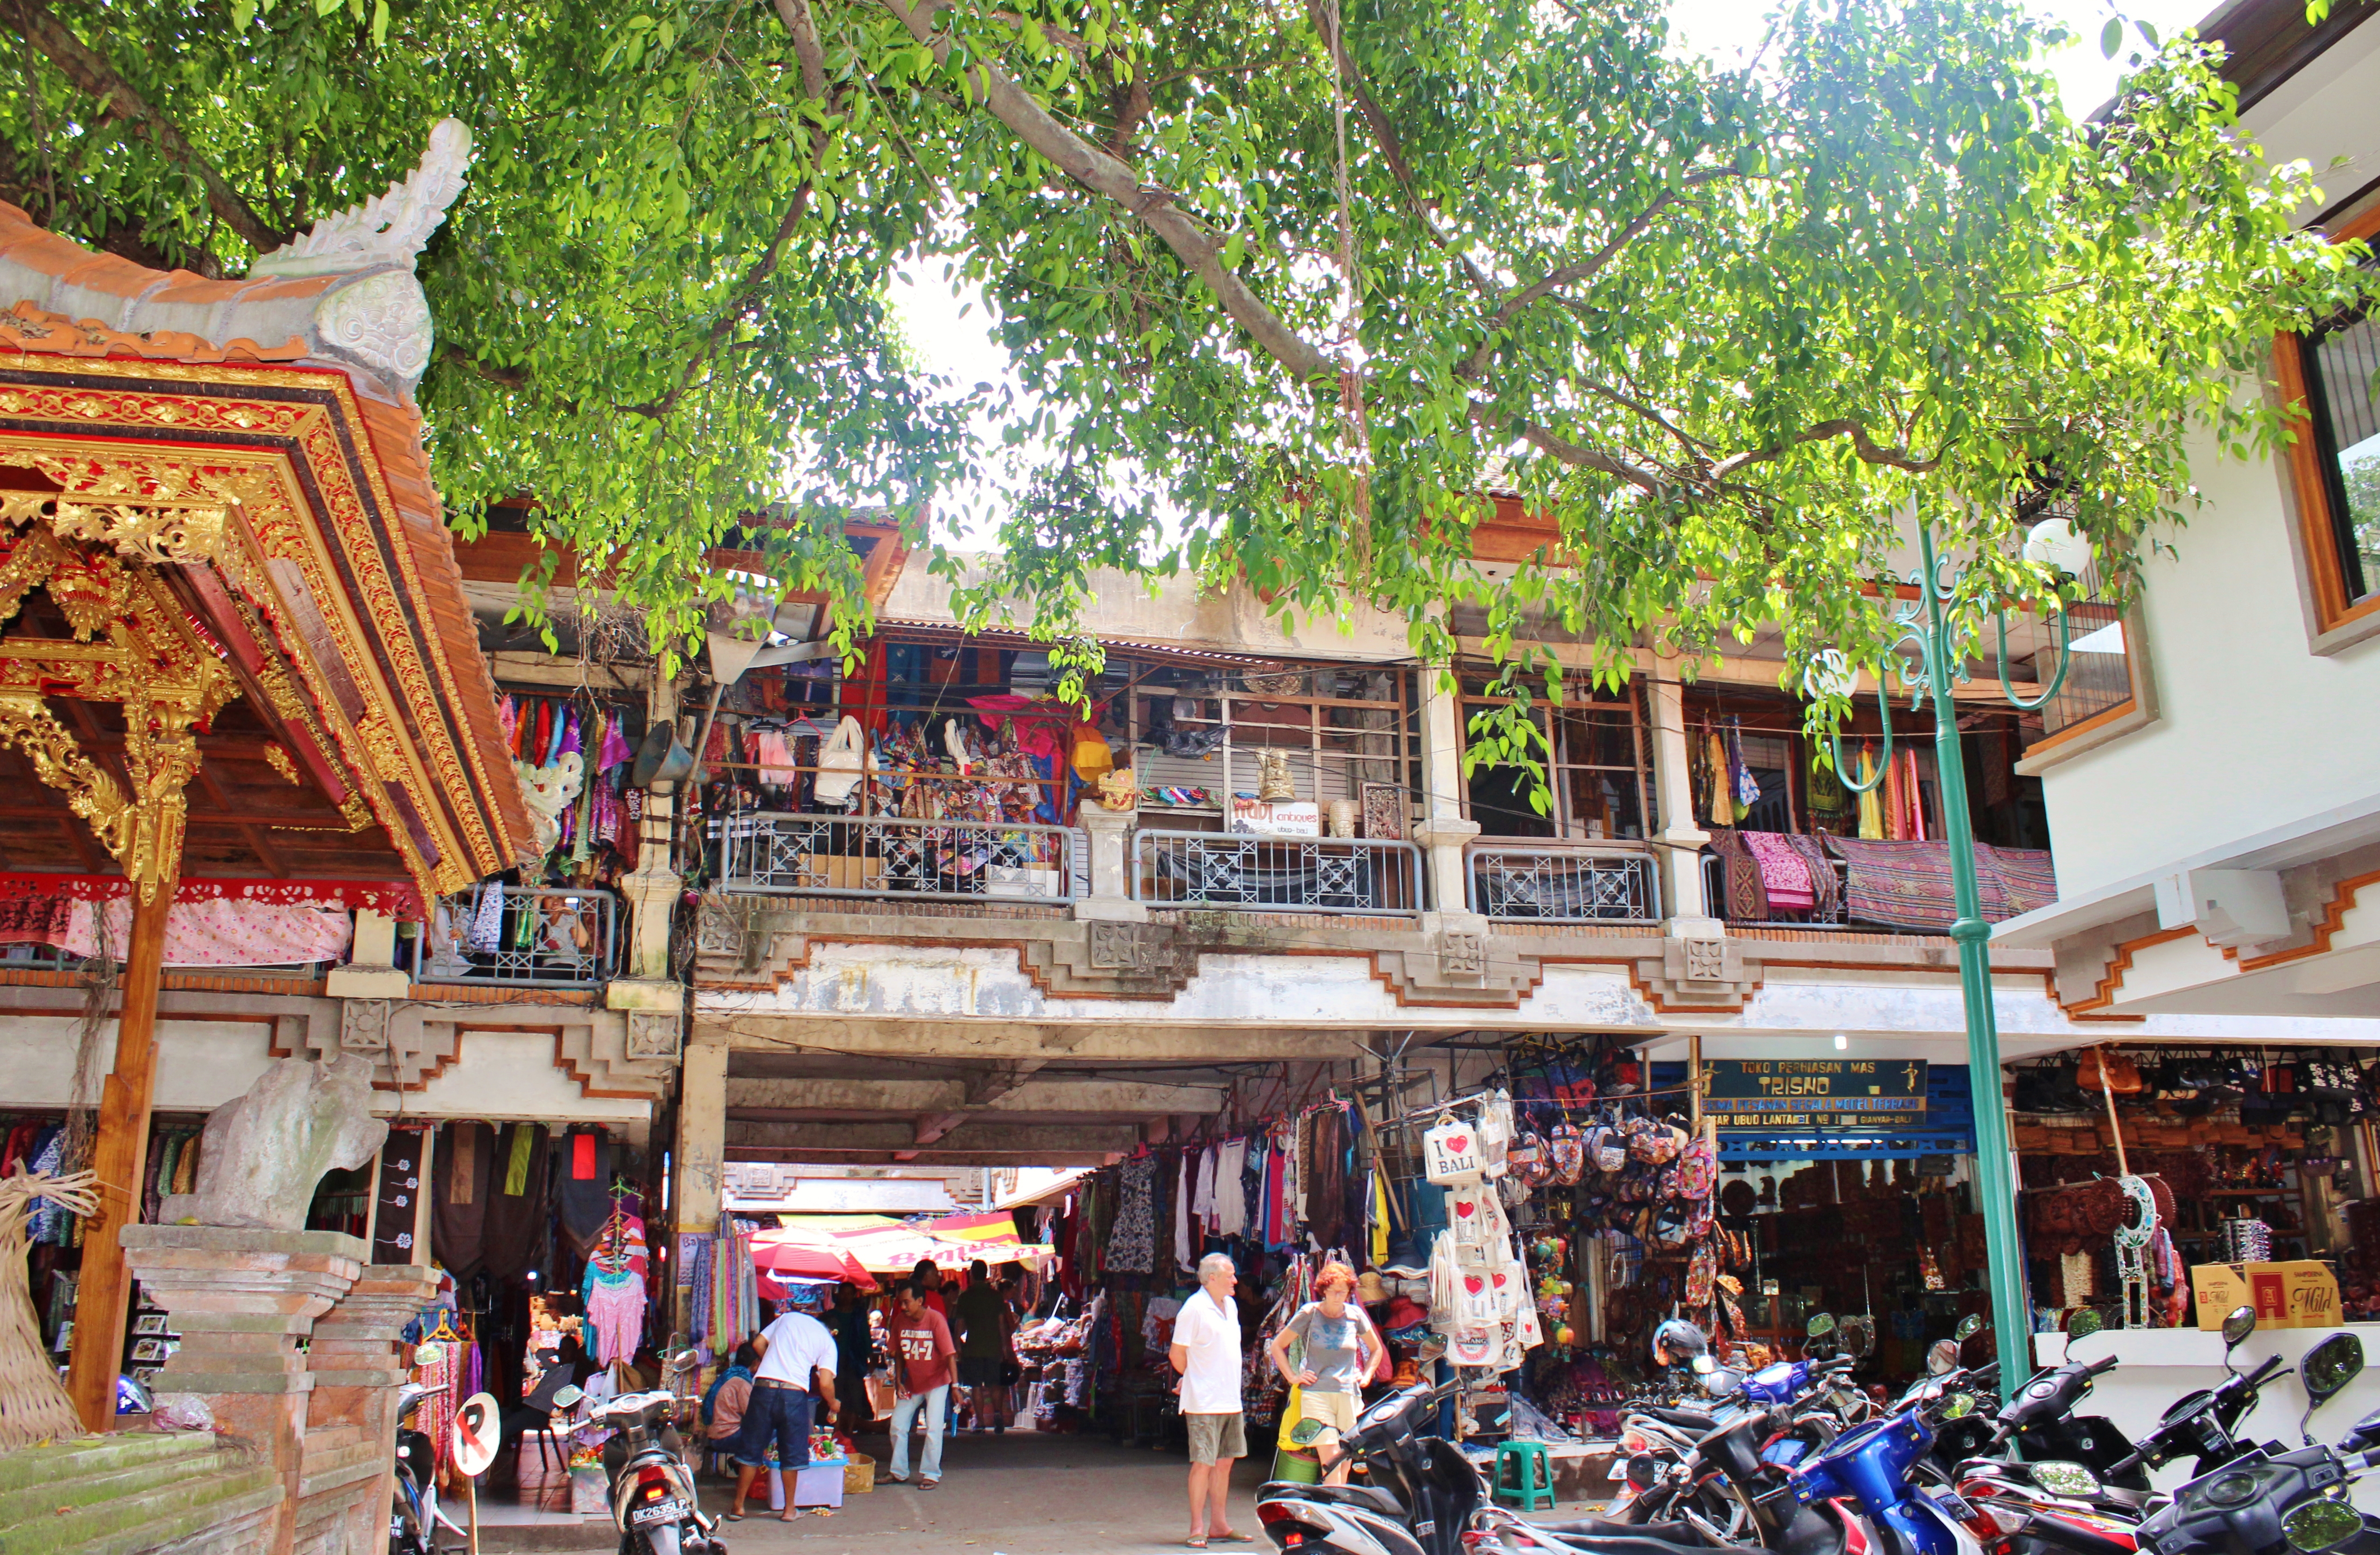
[(1293, 284)]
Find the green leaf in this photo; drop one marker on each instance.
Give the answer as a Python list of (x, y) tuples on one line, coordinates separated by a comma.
[(380, 22), (2111, 37)]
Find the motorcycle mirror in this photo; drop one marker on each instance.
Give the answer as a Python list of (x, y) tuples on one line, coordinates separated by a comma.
[(427, 1355), (2325, 1371), (1704, 1366), (2238, 1324), (1642, 1472), (567, 1397), (1960, 1407), (2084, 1323), (1859, 1336), (2066, 1480), (1821, 1325), (2320, 1526), (1969, 1326), (1305, 1432), (685, 1360), (1942, 1357)]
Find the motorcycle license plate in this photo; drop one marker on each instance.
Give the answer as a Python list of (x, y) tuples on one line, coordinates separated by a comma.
[(670, 1510)]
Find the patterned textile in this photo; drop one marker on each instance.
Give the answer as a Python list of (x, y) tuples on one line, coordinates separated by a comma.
[(397, 898), (1908, 884), (1132, 1246), (29, 921), (1746, 896), (1784, 873), (222, 933)]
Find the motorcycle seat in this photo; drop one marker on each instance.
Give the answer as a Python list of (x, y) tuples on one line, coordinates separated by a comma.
[(1684, 1419), (1369, 1498), (1589, 1544), (1604, 1528)]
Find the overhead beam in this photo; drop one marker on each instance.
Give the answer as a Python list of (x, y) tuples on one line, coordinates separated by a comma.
[(972, 1137), (1021, 1093), (1138, 1044), (936, 1157)]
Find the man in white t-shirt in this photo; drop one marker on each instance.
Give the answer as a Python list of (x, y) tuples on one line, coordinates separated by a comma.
[(796, 1374), (1207, 1352)]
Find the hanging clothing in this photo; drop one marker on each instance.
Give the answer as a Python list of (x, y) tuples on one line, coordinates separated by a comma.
[(1185, 1252), (1132, 1249), (1870, 807), (1231, 1191), (458, 1212)]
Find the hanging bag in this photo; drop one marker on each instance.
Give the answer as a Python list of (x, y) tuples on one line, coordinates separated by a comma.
[(842, 761), (1451, 1150)]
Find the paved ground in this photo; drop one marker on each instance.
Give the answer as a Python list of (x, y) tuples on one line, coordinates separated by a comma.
[(1021, 1494)]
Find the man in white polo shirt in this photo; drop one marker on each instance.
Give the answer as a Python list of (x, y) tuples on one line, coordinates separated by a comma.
[(1207, 1353), (796, 1373)]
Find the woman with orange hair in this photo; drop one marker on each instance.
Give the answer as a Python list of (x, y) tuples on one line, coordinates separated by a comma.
[(1341, 1349)]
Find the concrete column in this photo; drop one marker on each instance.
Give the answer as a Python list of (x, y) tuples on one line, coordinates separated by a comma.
[(1688, 915), (241, 1300), (1443, 830), (370, 971), (696, 1193), (1110, 842)]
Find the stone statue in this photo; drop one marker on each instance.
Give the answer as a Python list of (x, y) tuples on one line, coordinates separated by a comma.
[(389, 228), (264, 1153), (549, 791)]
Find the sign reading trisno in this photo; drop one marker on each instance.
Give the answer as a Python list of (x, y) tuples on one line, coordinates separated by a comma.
[(1815, 1092)]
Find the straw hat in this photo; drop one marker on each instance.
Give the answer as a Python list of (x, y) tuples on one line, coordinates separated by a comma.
[(1369, 1290)]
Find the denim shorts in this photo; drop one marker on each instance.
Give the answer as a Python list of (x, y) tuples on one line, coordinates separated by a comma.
[(775, 1413)]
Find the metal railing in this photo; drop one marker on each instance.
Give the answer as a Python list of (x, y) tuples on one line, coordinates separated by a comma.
[(1836, 917), (1367, 875), (1549, 882), (886, 855), (527, 936)]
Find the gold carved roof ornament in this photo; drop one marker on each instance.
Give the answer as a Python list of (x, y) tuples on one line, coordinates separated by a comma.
[(134, 646)]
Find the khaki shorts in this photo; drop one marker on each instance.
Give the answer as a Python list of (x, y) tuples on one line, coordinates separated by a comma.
[(1337, 1410), (1216, 1437)]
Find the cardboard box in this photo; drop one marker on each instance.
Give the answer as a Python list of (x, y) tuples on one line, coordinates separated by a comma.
[(2300, 1293), (841, 871)]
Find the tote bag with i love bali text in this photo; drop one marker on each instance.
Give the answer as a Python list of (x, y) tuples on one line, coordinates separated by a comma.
[(1450, 1151)]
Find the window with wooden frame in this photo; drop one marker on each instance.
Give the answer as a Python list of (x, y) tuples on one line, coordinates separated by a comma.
[(2334, 464), (1198, 730), (2107, 691), (1598, 766)]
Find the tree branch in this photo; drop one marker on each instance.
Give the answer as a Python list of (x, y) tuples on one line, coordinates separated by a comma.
[(802, 27), (92, 74), (1095, 170), (747, 298), (1566, 452), (1392, 149), (1586, 269), (1869, 450), (505, 377)]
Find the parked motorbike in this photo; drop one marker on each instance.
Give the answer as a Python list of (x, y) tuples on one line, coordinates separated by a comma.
[(414, 1516), (654, 1500), (2268, 1501)]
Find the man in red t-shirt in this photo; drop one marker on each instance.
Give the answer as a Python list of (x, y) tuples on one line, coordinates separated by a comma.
[(921, 1377)]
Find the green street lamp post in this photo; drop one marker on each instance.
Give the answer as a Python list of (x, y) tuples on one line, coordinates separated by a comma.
[(1922, 627)]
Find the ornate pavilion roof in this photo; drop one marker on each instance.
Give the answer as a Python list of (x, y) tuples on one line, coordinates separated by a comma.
[(198, 472)]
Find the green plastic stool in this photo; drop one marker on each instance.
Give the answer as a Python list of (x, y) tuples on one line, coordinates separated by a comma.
[(1536, 1479)]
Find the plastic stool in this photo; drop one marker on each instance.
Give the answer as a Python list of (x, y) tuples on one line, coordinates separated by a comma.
[(1535, 1479)]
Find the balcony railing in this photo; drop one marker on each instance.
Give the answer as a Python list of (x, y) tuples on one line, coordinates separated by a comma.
[(1543, 882), (1360, 875), (894, 857), (1836, 916), (522, 936)]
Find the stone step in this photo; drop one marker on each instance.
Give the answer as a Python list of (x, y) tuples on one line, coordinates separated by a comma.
[(74, 1456), (152, 1502)]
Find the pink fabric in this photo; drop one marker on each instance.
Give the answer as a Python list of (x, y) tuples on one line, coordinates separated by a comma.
[(617, 1315), (1784, 874), (223, 933)]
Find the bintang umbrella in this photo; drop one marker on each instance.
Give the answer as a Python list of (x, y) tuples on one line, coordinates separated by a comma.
[(777, 1252)]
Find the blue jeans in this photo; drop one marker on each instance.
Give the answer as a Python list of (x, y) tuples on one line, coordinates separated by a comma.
[(782, 1415), (935, 1400)]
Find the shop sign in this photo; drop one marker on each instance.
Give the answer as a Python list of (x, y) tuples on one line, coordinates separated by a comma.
[(1833, 1093)]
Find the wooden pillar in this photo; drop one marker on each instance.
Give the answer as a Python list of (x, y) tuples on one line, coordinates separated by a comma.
[(120, 1157)]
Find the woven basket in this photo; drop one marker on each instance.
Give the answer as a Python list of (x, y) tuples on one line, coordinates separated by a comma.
[(859, 1474)]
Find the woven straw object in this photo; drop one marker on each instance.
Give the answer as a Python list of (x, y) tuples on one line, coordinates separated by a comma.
[(34, 1402)]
